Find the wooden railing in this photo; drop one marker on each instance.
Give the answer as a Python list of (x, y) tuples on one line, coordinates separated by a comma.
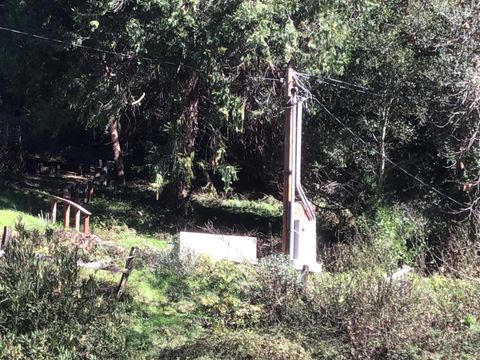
[(78, 210), (94, 265)]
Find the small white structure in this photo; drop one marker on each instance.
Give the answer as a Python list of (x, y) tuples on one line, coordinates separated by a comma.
[(303, 248), (220, 247)]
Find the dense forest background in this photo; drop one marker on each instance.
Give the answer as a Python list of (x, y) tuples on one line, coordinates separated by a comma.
[(189, 94)]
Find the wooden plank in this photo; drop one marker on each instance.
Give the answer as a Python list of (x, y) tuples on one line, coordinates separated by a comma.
[(66, 222), (86, 225), (287, 171), (125, 275), (77, 219), (71, 203), (93, 265), (101, 265)]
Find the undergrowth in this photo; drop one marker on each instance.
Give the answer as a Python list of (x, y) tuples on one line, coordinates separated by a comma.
[(49, 310), (180, 306)]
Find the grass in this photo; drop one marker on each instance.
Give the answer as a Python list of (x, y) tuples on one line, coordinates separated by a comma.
[(11, 217), (13, 206), (129, 240), (169, 304), (267, 208)]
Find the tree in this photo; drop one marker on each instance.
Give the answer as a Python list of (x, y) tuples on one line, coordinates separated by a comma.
[(201, 92)]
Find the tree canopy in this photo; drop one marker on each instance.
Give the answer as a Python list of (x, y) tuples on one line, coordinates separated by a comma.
[(193, 91)]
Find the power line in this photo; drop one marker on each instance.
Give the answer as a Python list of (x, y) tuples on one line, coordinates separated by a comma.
[(365, 143), (340, 83), (266, 78), (434, 189), (90, 48), (348, 86), (43, 37)]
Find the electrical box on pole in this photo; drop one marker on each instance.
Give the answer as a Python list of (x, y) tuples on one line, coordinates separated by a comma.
[(299, 237)]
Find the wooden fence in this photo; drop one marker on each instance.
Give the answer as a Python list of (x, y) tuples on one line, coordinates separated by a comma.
[(94, 265), (79, 211)]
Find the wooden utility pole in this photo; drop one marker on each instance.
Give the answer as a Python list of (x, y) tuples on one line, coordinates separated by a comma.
[(287, 163)]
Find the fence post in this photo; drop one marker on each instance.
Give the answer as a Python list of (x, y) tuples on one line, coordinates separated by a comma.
[(126, 274), (304, 277), (78, 214), (86, 224), (67, 216), (7, 233), (54, 210)]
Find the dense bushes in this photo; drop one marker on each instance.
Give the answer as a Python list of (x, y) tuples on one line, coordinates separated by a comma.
[(241, 345), (48, 309), (354, 314)]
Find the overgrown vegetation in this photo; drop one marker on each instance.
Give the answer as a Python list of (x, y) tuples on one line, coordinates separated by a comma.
[(48, 309), (188, 307), (187, 98)]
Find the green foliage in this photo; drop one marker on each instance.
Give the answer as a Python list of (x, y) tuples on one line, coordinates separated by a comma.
[(49, 310), (355, 314), (209, 100), (397, 235), (213, 291), (267, 207), (238, 345), (228, 174)]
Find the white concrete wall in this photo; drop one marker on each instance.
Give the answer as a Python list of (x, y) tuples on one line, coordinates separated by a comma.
[(220, 247)]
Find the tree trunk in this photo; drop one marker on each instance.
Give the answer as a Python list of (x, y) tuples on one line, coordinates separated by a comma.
[(381, 171), (117, 151), (187, 135)]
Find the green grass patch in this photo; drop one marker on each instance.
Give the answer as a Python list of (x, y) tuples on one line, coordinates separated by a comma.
[(269, 207), (11, 217), (13, 206), (142, 241)]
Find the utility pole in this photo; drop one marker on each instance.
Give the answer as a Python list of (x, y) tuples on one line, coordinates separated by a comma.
[(287, 161), (299, 239)]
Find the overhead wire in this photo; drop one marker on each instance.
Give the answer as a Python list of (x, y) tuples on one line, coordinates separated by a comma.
[(310, 96), (338, 83), (298, 75), (89, 48)]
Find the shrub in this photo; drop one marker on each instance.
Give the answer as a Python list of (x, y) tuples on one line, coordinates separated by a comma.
[(460, 255), (221, 289), (239, 345), (374, 317), (214, 291), (276, 285), (385, 237), (49, 310), (360, 315), (353, 314), (397, 235)]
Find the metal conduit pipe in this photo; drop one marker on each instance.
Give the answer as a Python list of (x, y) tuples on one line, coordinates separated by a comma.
[(298, 149), (292, 138)]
